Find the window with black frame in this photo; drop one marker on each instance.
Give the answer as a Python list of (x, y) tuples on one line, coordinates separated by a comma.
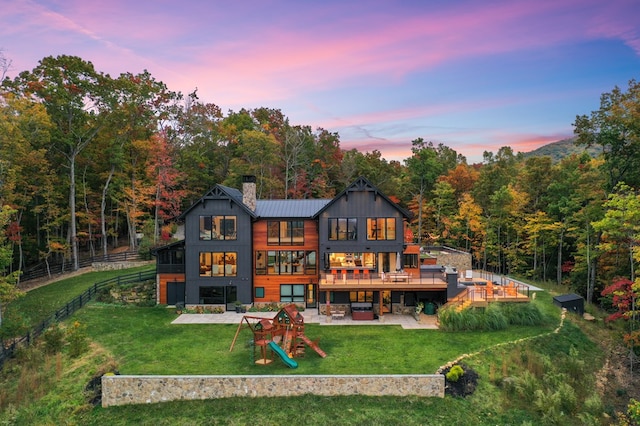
[(211, 295), (217, 264), (285, 232), (285, 262), (381, 228), (218, 228), (292, 293), (410, 260), (343, 228)]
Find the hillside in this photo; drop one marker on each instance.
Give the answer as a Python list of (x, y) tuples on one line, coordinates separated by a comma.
[(560, 149)]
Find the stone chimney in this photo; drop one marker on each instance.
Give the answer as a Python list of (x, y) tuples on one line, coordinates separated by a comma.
[(249, 191)]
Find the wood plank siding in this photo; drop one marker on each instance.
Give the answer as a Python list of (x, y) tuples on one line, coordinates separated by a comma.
[(271, 281)]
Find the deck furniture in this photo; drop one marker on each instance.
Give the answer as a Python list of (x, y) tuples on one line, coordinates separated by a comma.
[(398, 276)]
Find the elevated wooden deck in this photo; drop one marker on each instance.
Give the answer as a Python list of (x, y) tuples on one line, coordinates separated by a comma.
[(482, 295), (375, 281)]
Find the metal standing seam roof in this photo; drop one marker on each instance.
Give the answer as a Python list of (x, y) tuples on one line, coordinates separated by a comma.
[(289, 208)]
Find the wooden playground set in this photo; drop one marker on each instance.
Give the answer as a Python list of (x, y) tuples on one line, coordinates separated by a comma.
[(283, 334)]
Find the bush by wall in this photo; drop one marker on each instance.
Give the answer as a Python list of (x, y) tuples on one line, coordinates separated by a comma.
[(497, 316)]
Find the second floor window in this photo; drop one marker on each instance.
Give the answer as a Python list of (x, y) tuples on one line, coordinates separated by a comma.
[(285, 262), (217, 227), (285, 232), (381, 228), (343, 229), (218, 264)]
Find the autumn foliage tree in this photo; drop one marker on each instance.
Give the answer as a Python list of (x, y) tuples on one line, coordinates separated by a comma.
[(8, 280), (624, 295), (71, 91)]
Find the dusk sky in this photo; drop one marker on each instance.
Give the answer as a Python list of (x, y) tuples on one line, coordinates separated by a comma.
[(474, 75)]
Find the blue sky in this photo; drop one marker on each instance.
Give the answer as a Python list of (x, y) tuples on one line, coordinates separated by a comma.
[(474, 75)]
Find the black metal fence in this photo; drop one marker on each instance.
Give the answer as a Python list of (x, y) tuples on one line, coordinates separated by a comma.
[(63, 313), (44, 270)]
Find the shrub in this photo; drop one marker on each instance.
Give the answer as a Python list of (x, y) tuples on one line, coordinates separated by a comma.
[(526, 385), (78, 340), (14, 324), (452, 319), (494, 319), (522, 313), (53, 339), (593, 405), (634, 410), (149, 303), (104, 294), (547, 403), (461, 380), (472, 319), (455, 373)]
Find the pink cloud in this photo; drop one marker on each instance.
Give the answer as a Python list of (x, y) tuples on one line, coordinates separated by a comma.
[(275, 64)]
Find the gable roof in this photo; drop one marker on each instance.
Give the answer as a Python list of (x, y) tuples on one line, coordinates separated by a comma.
[(362, 184), (289, 208), (221, 192), (310, 208)]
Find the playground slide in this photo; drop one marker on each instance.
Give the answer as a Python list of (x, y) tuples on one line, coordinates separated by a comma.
[(313, 346), (283, 356)]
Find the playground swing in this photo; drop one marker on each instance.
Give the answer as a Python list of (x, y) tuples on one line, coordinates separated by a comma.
[(283, 334)]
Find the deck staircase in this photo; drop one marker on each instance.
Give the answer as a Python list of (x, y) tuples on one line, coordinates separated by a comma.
[(461, 306)]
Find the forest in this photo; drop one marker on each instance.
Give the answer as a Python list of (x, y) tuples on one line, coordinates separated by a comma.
[(89, 162)]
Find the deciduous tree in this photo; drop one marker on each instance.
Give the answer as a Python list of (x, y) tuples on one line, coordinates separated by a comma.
[(615, 129), (8, 280), (72, 92)]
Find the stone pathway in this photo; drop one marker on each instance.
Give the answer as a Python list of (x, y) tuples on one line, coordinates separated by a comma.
[(312, 317)]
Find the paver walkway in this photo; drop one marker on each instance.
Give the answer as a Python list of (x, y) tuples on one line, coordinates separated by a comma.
[(312, 317)]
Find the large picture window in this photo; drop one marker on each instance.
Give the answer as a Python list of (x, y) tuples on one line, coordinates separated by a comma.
[(285, 232), (218, 264), (286, 262), (218, 227), (292, 293), (360, 296), (343, 229), (352, 260), (381, 228), (211, 295)]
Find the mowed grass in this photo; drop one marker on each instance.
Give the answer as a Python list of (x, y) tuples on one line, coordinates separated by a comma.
[(43, 301), (145, 342), (136, 340)]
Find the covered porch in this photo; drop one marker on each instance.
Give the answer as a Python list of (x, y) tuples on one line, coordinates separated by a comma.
[(374, 295)]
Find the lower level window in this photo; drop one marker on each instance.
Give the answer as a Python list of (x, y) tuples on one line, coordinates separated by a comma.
[(292, 293), (212, 295), (361, 296)]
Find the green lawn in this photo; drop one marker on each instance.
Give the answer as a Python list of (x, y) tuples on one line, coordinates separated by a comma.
[(146, 342), (138, 340), (43, 301)]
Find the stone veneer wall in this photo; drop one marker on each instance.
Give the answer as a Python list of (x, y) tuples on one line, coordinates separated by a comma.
[(133, 294), (123, 390), (113, 266), (448, 257)]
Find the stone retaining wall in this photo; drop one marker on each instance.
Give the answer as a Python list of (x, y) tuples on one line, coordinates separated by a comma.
[(116, 266), (123, 390), (134, 294)]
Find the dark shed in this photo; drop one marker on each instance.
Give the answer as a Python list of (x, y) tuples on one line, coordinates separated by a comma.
[(572, 302)]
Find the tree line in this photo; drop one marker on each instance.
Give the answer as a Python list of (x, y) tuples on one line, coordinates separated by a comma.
[(89, 161)]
